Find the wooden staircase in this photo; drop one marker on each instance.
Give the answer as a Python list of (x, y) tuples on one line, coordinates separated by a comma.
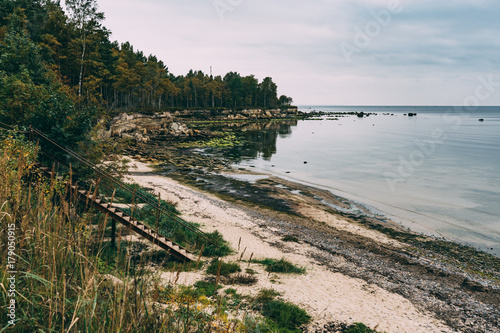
[(131, 223)]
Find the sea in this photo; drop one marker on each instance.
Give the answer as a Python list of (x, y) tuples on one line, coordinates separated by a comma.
[(433, 169)]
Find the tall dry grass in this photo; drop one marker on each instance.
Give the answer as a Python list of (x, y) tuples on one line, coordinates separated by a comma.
[(69, 277), (60, 248)]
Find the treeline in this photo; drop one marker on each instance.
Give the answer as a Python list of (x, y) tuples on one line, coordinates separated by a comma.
[(144, 82), (73, 49)]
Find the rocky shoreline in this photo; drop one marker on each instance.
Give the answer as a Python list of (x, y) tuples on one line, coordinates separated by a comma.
[(141, 128), (432, 278), (459, 285)]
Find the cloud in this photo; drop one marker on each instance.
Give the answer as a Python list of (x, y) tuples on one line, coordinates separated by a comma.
[(427, 46)]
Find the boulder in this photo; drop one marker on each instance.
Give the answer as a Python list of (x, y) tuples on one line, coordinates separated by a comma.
[(178, 129), (120, 128)]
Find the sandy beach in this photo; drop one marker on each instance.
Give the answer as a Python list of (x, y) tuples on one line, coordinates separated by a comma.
[(327, 295)]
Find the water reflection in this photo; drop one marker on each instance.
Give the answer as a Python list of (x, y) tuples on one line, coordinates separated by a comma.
[(258, 139)]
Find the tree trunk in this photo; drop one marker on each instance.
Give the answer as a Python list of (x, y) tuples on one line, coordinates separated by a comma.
[(80, 80)]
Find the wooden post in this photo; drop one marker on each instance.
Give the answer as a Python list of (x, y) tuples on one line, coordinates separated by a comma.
[(113, 233), (113, 223)]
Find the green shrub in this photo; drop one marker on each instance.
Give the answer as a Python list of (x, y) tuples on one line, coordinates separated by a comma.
[(266, 295), (206, 288), (251, 324), (225, 268), (230, 291), (241, 279), (287, 316), (359, 328), (169, 226), (221, 248), (280, 266), (290, 238)]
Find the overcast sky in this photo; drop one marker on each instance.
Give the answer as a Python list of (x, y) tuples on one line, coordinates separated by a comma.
[(327, 52)]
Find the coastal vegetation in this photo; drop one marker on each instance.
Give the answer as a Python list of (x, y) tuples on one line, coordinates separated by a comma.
[(280, 266), (167, 224), (60, 71), (60, 257), (69, 276), (218, 267)]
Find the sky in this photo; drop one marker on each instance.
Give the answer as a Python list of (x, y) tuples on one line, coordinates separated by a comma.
[(327, 52)]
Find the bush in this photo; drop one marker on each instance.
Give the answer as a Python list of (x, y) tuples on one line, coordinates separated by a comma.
[(359, 328), (230, 291), (266, 295), (168, 226), (221, 248), (225, 268), (241, 279), (207, 288), (290, 238), (280, 266), (286, 315), (251, 324)]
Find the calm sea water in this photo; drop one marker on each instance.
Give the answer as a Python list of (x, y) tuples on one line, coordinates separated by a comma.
[(437, 172)]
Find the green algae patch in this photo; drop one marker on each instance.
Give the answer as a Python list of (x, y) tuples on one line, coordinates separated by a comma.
[(229, 140)]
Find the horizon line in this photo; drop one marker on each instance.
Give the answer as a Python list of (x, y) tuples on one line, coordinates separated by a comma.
[(344, 105)]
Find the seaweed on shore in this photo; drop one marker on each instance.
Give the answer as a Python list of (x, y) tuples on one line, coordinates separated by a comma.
[(463, 256), (237, 190)]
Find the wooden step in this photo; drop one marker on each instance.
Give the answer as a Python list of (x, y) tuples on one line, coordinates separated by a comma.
[(129, 221)]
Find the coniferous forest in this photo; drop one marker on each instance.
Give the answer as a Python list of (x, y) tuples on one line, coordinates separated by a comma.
[(61, 66)]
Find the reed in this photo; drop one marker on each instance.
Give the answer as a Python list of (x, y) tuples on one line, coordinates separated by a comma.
[(68, 278)]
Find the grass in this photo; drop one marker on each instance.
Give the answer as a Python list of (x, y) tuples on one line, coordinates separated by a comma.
[(280, 266), (290, 238), (282, 316), (353, 328), (230, 291), (207, 288), (358, 328), (266, 295), (241, 279), (218, 267), (288, 317), (69, 278), (60, 259), (167, 224)]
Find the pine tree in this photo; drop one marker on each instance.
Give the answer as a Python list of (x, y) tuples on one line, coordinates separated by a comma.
[(29, 91), (86, 19)]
